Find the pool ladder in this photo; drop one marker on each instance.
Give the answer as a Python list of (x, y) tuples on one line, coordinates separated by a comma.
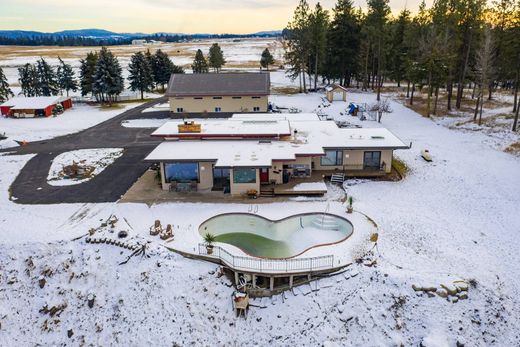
[(253, 209)]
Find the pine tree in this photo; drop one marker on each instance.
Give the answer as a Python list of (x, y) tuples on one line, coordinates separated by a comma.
[(318, 22), (216, 57), (343, 41), (5, 91), (399, 47), (108, 80), (66, 79), (28, 78), (298, 44), (87, 73), (163, 67), (47, 80), (200, 64), (266, 59), (140, 77)]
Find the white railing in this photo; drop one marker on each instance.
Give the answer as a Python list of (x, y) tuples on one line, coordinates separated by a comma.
[(269, 265)]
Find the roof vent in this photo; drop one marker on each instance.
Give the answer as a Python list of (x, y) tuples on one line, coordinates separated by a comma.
[(264, 141), (378, 137)]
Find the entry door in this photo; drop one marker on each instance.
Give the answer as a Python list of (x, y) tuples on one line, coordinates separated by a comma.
[(220, 178), (264, 175), (372, 161)]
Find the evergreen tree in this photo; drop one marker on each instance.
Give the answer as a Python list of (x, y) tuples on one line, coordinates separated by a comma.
[(140, 77), (108, 80), (318, 22), (66, 79), (150, 58), (216, 57), (163, 67), (200, 64), (298, 44), (399, 47), (266, 59), (28, 78), (87, 73), (376, 21), (5, 91), (344, 39), (47, 80)]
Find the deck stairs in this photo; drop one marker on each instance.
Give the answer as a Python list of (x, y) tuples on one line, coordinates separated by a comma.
[(267, 191), (338, 178)]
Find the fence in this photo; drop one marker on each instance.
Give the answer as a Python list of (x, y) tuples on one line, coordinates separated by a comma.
[(269, 265)]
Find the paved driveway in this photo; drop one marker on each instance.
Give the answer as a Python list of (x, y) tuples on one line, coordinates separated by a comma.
[(30, 187)]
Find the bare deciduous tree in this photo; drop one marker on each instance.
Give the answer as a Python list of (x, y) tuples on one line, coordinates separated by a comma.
[(484, 70)]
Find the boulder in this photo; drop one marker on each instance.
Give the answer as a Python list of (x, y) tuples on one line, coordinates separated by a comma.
[(443, 293), (450, 288)]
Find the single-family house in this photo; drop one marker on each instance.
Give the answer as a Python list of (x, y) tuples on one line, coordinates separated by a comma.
[(30, 107), (218, 93), (240, 154)]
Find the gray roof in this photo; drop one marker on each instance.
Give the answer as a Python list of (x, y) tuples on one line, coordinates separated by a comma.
[(219, 84)]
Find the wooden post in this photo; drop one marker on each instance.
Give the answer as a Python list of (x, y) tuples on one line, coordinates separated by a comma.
[(291, 281), (253, 280), (236, 279), (271, 283)]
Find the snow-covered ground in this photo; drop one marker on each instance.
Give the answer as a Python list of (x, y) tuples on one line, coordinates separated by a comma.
[(78, 118), (455, 218), (96, 158)]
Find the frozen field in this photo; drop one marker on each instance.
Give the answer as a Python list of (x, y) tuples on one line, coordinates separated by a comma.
[(455, 218)]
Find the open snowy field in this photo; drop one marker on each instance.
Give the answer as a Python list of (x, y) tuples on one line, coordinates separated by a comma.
[(244, 54), (455, 218)]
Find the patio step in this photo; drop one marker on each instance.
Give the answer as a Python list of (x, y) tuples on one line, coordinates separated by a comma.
[(267, 191), (337, 178)]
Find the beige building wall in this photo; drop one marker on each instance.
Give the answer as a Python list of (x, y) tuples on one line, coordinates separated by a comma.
[(227, 104), (353, 160), (242, 188), (205, 176)]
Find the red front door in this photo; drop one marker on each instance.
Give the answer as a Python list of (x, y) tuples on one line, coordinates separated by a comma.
[(264, 175)]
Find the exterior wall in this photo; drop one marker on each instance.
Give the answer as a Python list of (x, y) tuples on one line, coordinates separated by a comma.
[(242, 188), (354, 161), (205, 176), (227, 104), (278, 167)]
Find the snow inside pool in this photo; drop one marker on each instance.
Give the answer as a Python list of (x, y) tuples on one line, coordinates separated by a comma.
[(285, 238)]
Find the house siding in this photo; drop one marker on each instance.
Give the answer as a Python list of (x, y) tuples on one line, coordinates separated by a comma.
[(227, 104)]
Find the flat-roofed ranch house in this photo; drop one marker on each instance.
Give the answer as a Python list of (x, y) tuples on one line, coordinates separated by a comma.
[(240, 154), (218, 93)]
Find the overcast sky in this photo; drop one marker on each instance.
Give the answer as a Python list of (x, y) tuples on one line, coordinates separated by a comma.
[(186, 16)]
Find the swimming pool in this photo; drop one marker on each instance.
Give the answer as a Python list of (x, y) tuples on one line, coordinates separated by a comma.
[(284, 238)]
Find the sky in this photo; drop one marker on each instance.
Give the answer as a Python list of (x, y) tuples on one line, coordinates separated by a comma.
[(148, 16)]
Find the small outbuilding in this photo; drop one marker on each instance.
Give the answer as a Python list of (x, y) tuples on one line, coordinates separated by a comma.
[(30, 107), (336, 92)]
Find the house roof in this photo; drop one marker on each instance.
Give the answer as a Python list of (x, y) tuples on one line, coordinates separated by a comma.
[(248, 128), (336, 86), (37, 102), (219, 84), (308, 137)]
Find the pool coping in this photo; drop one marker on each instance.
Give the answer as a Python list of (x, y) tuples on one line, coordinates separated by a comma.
[(279, 220)]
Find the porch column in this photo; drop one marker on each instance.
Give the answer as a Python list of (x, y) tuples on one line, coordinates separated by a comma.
[(236, 279), (271, 283), (291, 281)]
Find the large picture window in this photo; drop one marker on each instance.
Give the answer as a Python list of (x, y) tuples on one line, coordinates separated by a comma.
[(332, 158), (180, 172), (372, 160), (244, 175)]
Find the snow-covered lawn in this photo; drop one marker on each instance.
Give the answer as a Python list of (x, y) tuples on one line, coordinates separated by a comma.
[(78, 118), (96, 159), (455, 218), (310, 186)]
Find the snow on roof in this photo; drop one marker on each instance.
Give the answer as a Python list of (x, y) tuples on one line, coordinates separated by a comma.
[(308, 137), (231, 153), (277, 116), (229, 128), (37, 102)]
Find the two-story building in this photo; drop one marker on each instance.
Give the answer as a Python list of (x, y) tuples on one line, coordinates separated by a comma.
[(218, 93)]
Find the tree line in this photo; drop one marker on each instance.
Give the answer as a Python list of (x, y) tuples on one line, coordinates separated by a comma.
[(100, 75), (453, 46)]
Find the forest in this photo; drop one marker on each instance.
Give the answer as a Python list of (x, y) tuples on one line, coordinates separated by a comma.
[(449, 49)]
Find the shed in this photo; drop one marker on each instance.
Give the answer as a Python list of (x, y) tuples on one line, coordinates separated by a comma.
[(29, 107), (336, 93)]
